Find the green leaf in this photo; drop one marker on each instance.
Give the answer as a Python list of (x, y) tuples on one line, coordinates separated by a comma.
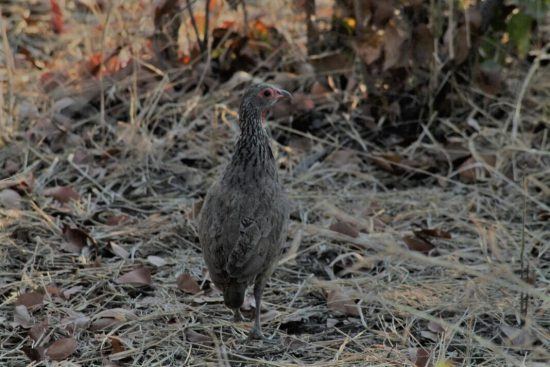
[(519, 29)]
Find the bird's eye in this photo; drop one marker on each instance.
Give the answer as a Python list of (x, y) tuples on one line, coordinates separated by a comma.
[(267, 93)]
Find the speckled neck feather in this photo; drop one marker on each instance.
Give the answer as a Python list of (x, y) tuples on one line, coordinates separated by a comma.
[(253, 159)]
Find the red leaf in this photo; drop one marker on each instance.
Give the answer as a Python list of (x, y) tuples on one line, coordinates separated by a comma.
[(57, 17), (76, 239), (139, 276), (418, 244), (115, 220), (31, 300), (63, 194), (38, 330), (433, 232), (342, 302), (345, 228), (61, 349), (187, 284)]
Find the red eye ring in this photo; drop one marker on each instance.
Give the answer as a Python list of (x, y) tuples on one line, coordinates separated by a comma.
[(267, 93)]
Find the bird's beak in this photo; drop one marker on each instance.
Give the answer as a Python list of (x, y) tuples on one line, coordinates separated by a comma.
[(281, 93)]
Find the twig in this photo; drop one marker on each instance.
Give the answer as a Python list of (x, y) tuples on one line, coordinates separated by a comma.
[(194, 24)]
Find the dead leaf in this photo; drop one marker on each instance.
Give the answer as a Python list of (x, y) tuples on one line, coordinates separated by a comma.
[(10, 199), (435, 327), (433, 232), (471, 170), (75, 239), (385, 161), (340, 301), (345, 158), (37, 331), (195, 337), (423, 49), (31, 300), (345, 228), (57, 17), (34, 354), (139, 276), (53, 291), (22, 317), (156, 260), (76, 321), (518, 337), (488, 77), (67, 293), (419, 357), (116, 344), (369, 48), (115, 220), (187, 284), (63, 194), (418, 244), (61, 349), (394, 42), (103, 323), (119, 251)]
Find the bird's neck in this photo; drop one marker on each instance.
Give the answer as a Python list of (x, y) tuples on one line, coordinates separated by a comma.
[(253, 158)]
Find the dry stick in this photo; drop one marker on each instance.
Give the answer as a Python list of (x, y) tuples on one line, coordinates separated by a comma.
[(534, 67)]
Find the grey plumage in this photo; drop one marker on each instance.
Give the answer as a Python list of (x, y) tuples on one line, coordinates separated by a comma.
[(244, 218)]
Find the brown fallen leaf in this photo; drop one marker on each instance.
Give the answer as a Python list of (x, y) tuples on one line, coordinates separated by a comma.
[(518, 337), (75, 239), (116, 220), (394, 44), (61, 349), (188, 284), (195, 337), (116, 344), (139, 276), (31, 300), (419, 357), (37, 331), (67, 293), (63, 194), (433, 232), (34, 354), (10, 199), (418, 244), (435, 327), (345, 228), (471, 170), (341, 301)]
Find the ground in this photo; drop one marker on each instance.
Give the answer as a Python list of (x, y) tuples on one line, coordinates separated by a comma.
[(392, 258)]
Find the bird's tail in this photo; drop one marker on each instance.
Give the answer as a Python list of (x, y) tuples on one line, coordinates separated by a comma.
[(233, 294)]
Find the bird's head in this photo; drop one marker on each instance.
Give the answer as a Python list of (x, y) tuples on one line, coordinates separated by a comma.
[(262, 96)]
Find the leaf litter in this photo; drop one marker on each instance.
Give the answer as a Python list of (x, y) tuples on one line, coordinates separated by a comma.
[(115, 147)]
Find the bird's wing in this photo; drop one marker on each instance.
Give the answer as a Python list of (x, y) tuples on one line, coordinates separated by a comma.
[(260, 238)]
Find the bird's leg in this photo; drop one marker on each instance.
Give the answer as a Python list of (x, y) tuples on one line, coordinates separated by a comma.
[(256, 332), (237, 316)]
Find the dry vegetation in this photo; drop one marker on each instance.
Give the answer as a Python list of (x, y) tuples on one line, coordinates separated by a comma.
[(419, 233)]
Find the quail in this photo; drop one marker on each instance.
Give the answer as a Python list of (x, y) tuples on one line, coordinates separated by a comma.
[(244, 218)]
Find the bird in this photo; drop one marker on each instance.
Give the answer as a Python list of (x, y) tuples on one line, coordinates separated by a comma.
[(244, 219)]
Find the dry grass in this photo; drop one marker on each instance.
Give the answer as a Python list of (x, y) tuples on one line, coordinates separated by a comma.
[(155, 166)]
